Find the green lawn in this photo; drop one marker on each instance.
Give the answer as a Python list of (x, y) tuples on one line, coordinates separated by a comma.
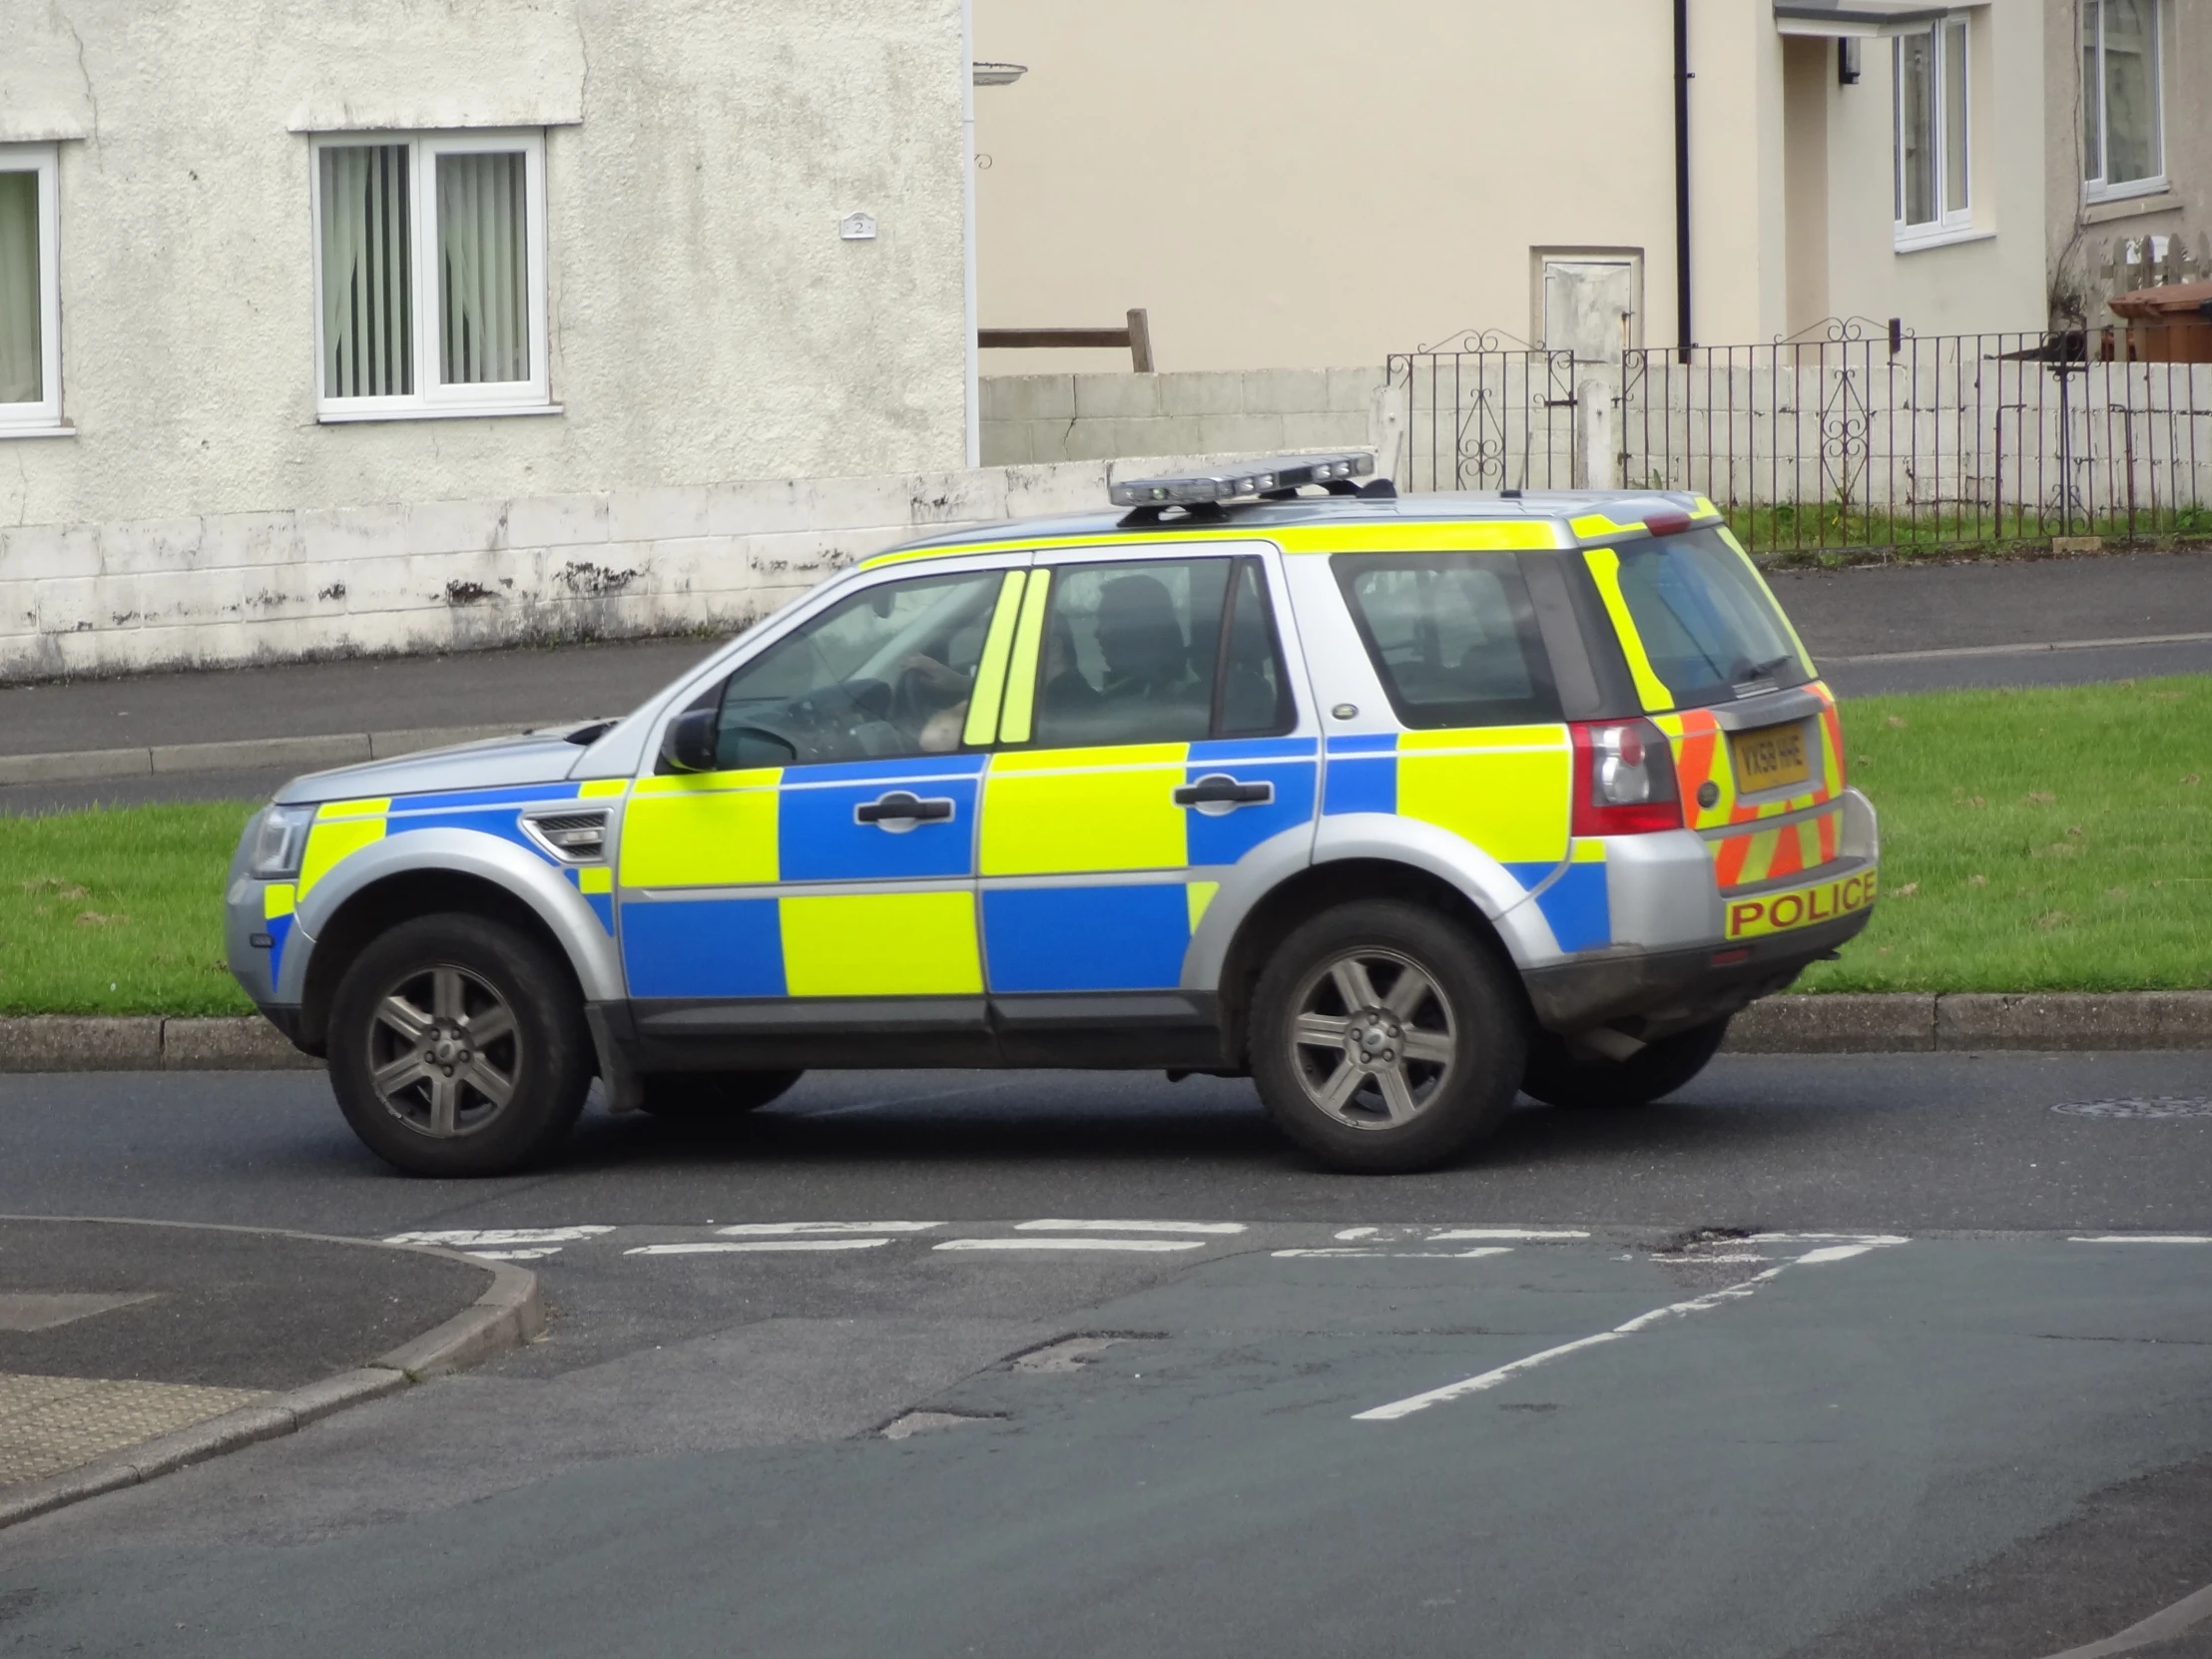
[(2032, 841), (2055, 840), (117, 911)]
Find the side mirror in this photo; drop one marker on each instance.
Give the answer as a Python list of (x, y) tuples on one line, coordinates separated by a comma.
[(688, 744)]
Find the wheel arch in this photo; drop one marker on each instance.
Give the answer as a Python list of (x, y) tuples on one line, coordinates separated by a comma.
[(399, 883), (1325, 886)]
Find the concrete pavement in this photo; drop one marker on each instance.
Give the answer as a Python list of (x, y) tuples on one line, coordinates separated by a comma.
[(130, 1347)]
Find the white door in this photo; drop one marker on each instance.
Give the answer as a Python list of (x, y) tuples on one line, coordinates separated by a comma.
[(1591, 307)]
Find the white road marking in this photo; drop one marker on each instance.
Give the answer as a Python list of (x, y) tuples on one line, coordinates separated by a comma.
[(776, 1228), (1504, 1232), (737, 1247), (2144, 1237), (1129, 1227), (1505, 1373), (1071, 1243), (1403, 1255), (1836, 1237), (502, 1236), (536, 1254), (1358, 1233)]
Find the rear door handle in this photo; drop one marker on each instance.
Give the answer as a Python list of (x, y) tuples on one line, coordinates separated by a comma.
[(899, 811), (1220, 790)]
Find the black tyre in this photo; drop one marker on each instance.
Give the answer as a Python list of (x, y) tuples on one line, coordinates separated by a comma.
[(1385, 1039), (458, 1047), (1561, 1079), (710, 1096)]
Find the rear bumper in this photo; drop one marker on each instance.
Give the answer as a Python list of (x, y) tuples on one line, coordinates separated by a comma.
[(1650, 994)]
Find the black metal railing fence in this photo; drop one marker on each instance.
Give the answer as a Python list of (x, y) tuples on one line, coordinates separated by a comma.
[(1482, 414)]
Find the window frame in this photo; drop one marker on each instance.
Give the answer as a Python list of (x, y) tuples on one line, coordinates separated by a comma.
[(42, 416), (1542, 706), (432, 400), (2094, 188), (1056, 563), (1952, 221)]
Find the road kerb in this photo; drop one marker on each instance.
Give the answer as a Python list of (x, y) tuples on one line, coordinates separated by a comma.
[(509, 1313), (305, 754)]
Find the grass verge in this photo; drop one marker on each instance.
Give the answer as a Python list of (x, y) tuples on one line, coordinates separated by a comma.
[(118, 911), (2040, 839), (2045, 840)]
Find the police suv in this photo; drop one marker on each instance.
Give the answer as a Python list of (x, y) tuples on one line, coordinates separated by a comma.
[(1395, 804)]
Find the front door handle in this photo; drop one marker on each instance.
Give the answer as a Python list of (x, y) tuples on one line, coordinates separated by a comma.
[(1218, 793), (899, 811)]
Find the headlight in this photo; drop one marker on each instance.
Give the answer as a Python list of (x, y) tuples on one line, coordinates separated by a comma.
[(283, 839)]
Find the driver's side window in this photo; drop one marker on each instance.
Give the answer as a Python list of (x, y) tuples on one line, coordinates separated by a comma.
[(884, 674)]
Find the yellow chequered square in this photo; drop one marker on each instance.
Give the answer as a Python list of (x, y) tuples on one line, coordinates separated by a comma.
[(278, 899), (882, 944), (595, 879), (1073, 811), (1199, 894), (1507, 788), (598, 788), (714, 830), (330, 843)]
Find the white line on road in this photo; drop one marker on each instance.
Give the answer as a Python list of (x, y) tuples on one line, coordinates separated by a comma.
[(737, 1247), (1403, 1254), (2144, 1237), (1827, 1238), (1129, 1227), (500, 1235), (1505, 1373), (786, 1229), (1503, 1233), (1071, 1243), (537, 1253)]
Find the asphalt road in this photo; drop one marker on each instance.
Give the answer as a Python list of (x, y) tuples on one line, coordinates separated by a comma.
[(1944, 1427)]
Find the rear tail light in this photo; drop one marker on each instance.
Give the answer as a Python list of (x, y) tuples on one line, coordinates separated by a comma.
[(1623, 779)]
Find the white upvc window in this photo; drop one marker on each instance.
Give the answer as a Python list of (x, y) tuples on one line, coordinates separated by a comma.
[(1934, 199), (429, 274), (30, 292), (2123, 149)]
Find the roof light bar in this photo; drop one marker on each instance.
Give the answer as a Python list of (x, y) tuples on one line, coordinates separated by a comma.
[(1287, 473)]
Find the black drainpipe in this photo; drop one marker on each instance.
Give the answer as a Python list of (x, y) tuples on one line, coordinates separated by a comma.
[(1682, 178)]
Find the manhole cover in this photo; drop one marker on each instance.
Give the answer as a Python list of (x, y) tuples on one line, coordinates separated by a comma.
[(2139, 1106)]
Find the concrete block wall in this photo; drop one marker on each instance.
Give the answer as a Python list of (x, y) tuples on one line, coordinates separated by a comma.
[(234, 588), (1050, 419)]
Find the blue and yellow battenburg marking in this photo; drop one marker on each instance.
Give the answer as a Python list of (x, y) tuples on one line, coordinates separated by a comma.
[(343, 828), (1052, 818), (767, 828), (1504, 789)]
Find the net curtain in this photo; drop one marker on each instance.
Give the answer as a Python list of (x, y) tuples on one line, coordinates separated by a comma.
[(21, 375), (483, 269)]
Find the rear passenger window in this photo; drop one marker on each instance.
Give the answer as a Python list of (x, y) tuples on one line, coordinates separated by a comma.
[(1452, 637), (1159, 651)]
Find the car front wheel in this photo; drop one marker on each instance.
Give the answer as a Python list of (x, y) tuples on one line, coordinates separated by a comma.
[(1385, 1039), (457, 1047)]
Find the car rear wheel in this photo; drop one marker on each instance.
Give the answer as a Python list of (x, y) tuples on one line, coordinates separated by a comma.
[(457, 1047), (1385, 1039), (709, 1096), (1559, 1078)]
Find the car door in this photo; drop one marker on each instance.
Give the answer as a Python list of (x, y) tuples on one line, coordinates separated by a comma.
[(1150, 740), (827, 857)]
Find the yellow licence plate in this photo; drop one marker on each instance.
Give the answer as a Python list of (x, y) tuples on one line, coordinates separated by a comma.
[(1772, 758)]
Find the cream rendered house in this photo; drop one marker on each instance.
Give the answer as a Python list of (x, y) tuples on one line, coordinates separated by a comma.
[(1302, 184)]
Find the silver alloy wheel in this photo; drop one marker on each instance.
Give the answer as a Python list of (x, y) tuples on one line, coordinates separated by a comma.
[(1373, 1039), (444, 1051)]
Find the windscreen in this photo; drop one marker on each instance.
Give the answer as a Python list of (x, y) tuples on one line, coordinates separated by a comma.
[(1710, 626)]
